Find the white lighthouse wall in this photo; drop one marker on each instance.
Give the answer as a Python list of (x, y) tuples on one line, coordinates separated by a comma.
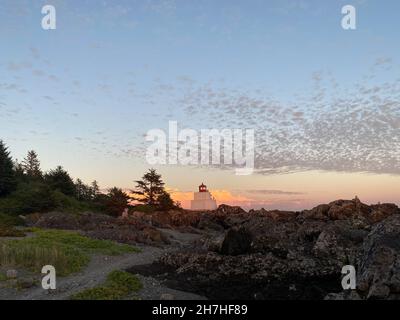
[(203, 205), (203, 201)]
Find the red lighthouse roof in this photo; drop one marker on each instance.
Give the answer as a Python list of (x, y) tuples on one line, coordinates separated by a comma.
[(202, 187)]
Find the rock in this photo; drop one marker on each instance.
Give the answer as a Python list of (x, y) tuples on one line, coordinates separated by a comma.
[(125, 214), (214, 244), (237, 241), (299, 255), (12, 274), (167, 296), (345, 295), (379, 261), (26, 283), (224, 209)]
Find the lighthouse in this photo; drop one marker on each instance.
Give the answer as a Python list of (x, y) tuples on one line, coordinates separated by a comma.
[(203, 199)]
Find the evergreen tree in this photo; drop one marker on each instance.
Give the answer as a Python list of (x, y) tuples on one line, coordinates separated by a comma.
[(165, 201), (31, 165), (82, 191), (117, 201), (19, 171), (8, 181), (59, 179), (95, 190), (149, 188)]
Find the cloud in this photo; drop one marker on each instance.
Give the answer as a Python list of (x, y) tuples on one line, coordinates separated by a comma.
[(14, 66), (240, 198), (351, 129), (273, 192)]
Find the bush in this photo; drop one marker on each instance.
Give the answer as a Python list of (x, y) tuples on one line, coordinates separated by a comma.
[(116, 202), (7, 224), (165, 202), (70, 204), (60, 180), (29, 197), (146, 208), (9, 220), (33, 197)]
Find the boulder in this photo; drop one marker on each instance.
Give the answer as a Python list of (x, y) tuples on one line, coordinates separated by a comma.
[(379, 262), (12, 274), (237, 241)]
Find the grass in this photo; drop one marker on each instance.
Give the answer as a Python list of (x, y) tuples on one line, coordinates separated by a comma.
[(3, 277), (119, 285), (67, 251)]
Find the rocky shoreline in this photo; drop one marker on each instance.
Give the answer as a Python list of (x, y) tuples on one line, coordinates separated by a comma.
[(289, 255), (261, 254)]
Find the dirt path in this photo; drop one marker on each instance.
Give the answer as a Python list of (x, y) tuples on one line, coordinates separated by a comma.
[(95, 274)]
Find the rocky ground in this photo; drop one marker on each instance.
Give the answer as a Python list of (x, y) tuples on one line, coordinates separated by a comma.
[(288, 255), (230, 254), (96, 272)]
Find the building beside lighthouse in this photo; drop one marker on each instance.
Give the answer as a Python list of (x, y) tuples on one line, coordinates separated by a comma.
[(203, 200)]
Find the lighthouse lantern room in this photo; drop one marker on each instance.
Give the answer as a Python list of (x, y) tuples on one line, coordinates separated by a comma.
[(203, 200)]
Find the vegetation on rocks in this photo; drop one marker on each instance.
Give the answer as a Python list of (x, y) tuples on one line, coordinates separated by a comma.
[(7, 226), (119, 285)]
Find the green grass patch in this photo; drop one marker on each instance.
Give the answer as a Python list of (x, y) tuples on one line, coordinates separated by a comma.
[(3, 276), (67, 251), (119, 285)]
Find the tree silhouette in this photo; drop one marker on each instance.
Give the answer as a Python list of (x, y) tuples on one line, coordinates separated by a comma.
[(165, 201), (8, 182), (94, 190), (117, 201), (31, 165), (149, 188), (59, 179)]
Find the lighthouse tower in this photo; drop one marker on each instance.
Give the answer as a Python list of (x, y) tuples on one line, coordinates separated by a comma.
[(203, 200)]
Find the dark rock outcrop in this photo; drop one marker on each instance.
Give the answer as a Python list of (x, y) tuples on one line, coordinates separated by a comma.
[(237, 241), (298, 255), (379, 261)]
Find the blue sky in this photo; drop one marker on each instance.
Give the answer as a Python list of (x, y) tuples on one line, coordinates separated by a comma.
[(84, 94)]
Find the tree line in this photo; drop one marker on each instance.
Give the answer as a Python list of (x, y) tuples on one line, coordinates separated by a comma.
[(25, 188)]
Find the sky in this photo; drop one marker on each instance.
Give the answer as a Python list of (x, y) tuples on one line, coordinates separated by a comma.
[(324, 102)]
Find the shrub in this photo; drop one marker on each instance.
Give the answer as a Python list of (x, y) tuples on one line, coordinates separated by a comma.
[(165, 202), (116, 201), (29, 197), (7, 224), (60, 180), (70, 204), (145, 208), (10, 220)]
